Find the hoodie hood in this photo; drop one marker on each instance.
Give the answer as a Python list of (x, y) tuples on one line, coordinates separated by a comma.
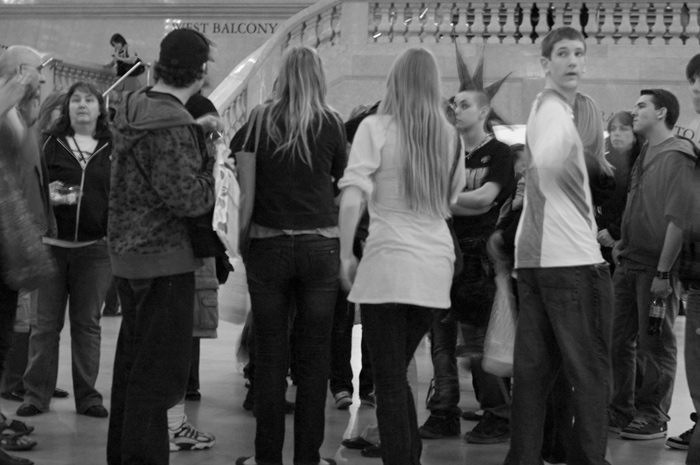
[(684, 146), (143, 111)]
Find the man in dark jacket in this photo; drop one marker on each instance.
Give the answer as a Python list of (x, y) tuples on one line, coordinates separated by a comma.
[(160, 177)]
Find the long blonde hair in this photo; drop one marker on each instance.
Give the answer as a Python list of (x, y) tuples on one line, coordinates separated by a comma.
[(299, 103), (425, 136)]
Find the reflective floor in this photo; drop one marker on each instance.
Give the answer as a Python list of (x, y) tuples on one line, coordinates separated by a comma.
[(67, 438)]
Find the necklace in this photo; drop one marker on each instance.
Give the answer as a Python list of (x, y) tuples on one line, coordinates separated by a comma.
[(83, 159), (484, 141)]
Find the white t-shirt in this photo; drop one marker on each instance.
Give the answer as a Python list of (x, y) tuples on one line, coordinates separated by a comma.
[(557, 227), (408, 258)]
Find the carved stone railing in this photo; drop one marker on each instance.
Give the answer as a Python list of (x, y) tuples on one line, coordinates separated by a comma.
[(64, 73), (367, 25), (250, 83), (602, 22)]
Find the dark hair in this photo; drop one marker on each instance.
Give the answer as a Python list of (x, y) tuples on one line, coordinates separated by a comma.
[(52, 102), (117, 39), (692, 71), (625, 118), (63, 126), (515, 148), (177, 77), (664, 99), (557, 35)]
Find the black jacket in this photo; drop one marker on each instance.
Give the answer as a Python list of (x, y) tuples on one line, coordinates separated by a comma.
[(86, 220)]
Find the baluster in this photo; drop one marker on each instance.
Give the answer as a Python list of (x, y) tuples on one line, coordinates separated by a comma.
[(407, 20), (506, 21), (668, 21), (437, 15), (583, 20), (693, 30), (318, 31), (568, 17), (454, 22), (486, 22), (551, 13), (375, 21), (600, 21), (518, 16), (534, 21), (335, 24), (651, 22), (635, 18), (392, 21), (617, 22), (470, 22), (685, 20), (422, 20)]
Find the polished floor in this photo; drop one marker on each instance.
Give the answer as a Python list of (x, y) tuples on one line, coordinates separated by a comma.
[(67, 438)]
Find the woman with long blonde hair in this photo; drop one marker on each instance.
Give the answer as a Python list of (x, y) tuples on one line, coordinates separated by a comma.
[(293, 259), (402, 164)]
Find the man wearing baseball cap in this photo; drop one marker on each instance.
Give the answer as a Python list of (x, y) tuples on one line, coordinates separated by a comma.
[(161, 175)]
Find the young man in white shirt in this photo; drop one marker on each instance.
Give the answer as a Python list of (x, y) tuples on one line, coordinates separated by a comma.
[(563, 282)]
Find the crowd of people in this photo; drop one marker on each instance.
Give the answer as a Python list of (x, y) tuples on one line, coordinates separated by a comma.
[(600, 237)]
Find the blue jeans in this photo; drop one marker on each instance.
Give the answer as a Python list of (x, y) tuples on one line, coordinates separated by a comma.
[(644, 367), (692, 362), (151, 366), (393, 332), (305, 267), (443, 344), (8, 311), (84, 275), (341, 350), (564, 323)]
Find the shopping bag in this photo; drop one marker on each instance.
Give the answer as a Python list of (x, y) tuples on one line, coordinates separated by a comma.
[(500, 334), (228, 196)]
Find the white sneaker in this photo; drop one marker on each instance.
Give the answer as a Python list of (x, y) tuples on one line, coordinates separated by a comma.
[(343, 400), (186, 437)]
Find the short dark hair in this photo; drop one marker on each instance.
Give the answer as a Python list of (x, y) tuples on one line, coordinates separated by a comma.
[(557, 35), (117, 39), (664, 99), (63, 126), (692, 71), (177, 77)]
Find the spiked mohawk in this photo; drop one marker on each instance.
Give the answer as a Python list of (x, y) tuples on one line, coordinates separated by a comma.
[(475, 82)]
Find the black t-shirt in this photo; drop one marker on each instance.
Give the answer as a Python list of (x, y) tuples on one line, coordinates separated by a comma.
[(491, 162)]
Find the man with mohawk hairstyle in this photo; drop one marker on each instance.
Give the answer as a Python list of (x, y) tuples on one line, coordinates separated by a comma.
[(490, 180)]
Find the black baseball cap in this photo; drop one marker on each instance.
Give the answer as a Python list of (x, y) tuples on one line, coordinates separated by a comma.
[(184, 48)]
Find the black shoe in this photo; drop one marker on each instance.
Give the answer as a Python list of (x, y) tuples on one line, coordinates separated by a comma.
[(357, 442), (7, 459), (59, 393), (472, 416), (28, 410), (372, 451), (13, 396), (194, 395), (438, 427), (490, 430), (96, 411)]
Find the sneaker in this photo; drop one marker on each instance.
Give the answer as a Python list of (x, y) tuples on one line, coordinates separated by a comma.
[(490, 430), (186, 437), (682, 441), (343, 400), (641, 428), (438, 427), (368, 400)]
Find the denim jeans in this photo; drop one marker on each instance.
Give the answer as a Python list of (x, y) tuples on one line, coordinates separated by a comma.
[(564, 323), (151, 366), (341, 350), (8, 311), (644, 366), (692, 362), (305, 267), (84, 275), (393, 332)]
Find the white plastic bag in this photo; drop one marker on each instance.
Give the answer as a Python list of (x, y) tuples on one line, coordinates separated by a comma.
[(228, 194), (500, 335)]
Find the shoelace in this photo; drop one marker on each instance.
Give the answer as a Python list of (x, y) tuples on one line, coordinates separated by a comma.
[(685, 437), (638, 423)]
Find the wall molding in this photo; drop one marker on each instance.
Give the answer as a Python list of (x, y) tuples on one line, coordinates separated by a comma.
[(148, 11)]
